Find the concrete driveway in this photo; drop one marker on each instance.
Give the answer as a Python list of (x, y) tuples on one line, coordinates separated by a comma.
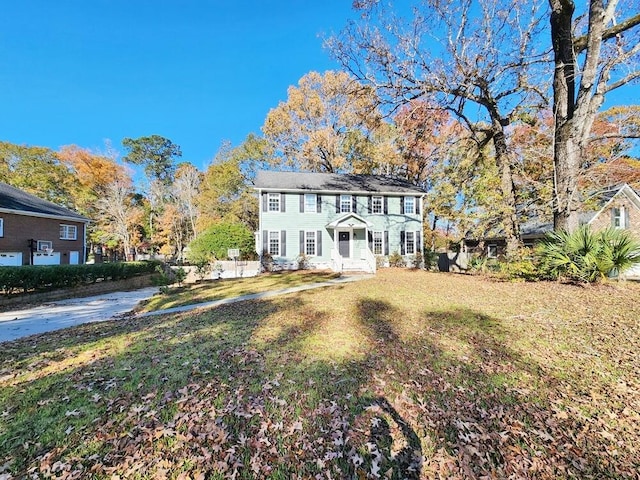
[(69, 312)]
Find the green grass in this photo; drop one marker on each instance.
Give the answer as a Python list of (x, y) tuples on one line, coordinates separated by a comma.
[(406, 375), (212, 290)]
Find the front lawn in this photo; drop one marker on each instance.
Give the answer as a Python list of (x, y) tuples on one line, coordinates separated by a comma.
[(211, 290), (407, 375)]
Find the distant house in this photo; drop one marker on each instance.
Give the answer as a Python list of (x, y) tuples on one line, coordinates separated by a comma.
[(335, 221), (619, 208), (34, 231)]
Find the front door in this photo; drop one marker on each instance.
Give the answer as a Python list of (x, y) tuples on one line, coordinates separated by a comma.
[(344, 244)]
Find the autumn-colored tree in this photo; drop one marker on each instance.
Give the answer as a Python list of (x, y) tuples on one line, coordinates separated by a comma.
[(38, 171), (225, 192), (120, 215), (596, 51), (325, 125), (94, 173), (481, 61)]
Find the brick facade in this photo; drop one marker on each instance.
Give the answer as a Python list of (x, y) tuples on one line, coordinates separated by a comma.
[(603, 219), (18, 229)]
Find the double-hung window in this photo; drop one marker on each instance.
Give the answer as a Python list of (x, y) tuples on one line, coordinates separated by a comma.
[(345, 203), (409, 205), (273, 202), (68, 232), (376, 205), (620, 217), (274, 244), (310, 202), (310, 243), (410, 243), (378, 243)]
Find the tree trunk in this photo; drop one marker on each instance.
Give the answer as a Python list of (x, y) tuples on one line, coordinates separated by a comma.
[(507, 186)]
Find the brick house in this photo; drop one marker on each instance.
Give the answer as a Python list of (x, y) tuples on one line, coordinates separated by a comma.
[(34, 231)]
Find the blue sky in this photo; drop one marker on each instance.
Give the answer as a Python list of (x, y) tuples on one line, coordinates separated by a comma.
[(197, 72)]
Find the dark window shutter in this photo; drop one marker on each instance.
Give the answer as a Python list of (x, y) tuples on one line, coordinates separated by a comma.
[(402, 243), (370, 238), (419, 242), (370, 204), (417, 200), (283, 203), (264, 202), (338, 203), (283, 243), (319, 203), (402, 205), (265, 241), (386, 206), (386, 242), (354, 204), (302, 203), (319, 243), (302, 249)]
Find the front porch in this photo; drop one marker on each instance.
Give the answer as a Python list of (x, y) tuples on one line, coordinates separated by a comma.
[(350, 251)]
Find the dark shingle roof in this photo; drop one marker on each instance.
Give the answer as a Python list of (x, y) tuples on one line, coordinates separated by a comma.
[(333, 182), (15, 199)]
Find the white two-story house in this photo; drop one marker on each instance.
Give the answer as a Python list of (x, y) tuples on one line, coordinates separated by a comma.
[(335, 221)]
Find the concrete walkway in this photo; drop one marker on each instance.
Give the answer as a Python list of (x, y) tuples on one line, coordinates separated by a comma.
[(70, 312)]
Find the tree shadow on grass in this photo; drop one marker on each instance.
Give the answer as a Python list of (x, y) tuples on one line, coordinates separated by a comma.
[(217, 393)]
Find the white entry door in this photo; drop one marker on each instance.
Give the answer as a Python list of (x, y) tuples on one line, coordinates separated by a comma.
[(74, 258)]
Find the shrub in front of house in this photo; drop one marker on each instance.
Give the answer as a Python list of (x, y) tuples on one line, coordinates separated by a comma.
[(29, 278)]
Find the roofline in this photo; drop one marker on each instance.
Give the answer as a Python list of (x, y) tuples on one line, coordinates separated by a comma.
[(628, 191), (311, 190), (45, 215)]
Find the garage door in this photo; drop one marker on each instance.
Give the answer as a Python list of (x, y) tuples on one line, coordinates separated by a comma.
[(10, 259), (40, 258)]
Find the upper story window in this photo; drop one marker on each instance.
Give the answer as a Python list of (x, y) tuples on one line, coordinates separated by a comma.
[(376, 205), (409, 205), (68, 232), (345, 203), (1, 227), (619, 217), (310, 202), (273, 202)]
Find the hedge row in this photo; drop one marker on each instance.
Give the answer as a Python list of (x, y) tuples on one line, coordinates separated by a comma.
[(28, 278)]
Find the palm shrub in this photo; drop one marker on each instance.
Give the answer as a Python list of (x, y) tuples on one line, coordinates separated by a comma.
[(587, 256)]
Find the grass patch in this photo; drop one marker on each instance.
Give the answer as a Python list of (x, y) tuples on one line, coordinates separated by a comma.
[(407, 375), (213, 290)]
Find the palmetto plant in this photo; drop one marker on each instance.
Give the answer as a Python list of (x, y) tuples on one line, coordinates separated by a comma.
[(587, 256)]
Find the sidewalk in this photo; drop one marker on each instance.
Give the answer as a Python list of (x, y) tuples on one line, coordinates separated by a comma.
[(71, 312)]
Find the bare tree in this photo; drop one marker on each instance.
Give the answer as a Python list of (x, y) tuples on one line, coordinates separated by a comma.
[(596, 51), (118, 212), (481, 60)]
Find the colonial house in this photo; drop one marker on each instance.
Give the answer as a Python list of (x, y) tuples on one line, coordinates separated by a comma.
[(335, 221), (34, 231)]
